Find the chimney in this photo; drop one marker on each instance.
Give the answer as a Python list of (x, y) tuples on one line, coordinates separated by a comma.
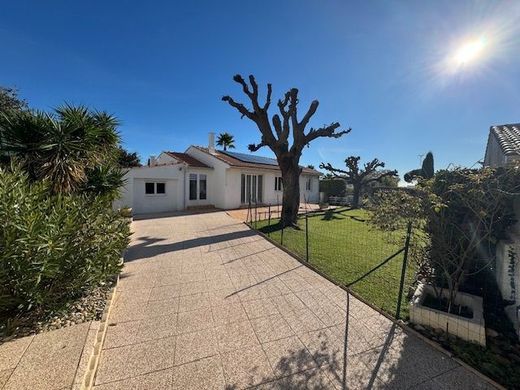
[(152, 161), (211, 142)]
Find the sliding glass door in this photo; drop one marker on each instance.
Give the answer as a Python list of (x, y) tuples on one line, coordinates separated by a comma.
[(251, 188)]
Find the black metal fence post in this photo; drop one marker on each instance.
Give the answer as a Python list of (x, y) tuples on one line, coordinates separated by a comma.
[(281, 235), (269, 221), (307, 237), (403, 270)]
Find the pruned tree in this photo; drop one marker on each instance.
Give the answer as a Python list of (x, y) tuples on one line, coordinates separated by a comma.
[(286, 122), (425, 172), (359, 177)]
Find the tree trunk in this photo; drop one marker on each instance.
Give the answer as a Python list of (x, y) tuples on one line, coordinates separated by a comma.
[(291, 192), (355, 196)]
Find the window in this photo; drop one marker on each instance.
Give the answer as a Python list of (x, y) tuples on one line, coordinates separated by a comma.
[(278, 184), (308, 186), (149, 188), (160, 188), (193, 186), (202, 186), (251, 188)]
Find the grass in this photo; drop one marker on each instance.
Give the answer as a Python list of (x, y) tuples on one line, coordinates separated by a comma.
[(345, 247)]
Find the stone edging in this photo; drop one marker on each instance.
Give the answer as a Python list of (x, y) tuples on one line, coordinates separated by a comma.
[(399, 323), (90, 375)]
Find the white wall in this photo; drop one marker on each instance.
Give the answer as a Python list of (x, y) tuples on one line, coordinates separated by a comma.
[(133, 194)]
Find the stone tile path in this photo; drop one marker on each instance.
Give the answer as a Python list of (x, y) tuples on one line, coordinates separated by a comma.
[(205, 303), (48, 361)]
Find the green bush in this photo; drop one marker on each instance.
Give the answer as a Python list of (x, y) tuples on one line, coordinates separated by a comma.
[(333, 187), (53, 247)]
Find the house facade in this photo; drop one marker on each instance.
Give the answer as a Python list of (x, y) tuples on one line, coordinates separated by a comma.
[(206, 177)]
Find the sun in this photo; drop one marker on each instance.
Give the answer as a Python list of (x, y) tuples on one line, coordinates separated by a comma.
[(469, 52)]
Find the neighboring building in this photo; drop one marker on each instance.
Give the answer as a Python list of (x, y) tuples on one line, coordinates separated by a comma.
[(503, 149), (205, 177), (503, 146)]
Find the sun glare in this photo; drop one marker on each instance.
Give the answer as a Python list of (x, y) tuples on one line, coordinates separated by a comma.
[(469, 52)]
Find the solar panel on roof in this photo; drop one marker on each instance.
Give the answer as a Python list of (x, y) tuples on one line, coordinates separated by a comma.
[(251, 158)]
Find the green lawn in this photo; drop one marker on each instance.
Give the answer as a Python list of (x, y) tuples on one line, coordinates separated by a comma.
[(344, 246)]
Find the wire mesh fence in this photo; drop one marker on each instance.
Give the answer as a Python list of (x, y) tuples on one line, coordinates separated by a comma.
[(342, 244)]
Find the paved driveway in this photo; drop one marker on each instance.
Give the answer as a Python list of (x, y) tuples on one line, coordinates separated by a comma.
[(205, 303)]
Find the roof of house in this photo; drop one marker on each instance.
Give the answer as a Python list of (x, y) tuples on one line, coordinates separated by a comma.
[(508, 137), (242, 160), (186, 158)]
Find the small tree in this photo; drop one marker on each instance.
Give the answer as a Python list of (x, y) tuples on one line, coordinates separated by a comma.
[(284, 123), (462, 212), (126, 159), (9, 100), (359, 177), (226, 140)]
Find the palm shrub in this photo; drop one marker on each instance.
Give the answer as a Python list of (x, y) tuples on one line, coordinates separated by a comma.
[(53, 246), (61, 146)]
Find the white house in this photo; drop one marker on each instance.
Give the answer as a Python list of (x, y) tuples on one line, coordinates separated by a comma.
[(503, 149), (206, 177)]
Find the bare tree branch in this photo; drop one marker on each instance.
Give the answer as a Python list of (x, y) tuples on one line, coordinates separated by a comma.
[(239, 106), (326, 131)]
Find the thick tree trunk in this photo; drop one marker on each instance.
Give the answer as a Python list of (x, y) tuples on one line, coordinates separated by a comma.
[(291, 192), (355, 196)]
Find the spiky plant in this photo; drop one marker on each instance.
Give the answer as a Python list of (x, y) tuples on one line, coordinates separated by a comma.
[(60, 146)]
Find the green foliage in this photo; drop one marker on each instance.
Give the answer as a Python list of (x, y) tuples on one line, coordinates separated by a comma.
[(105, 181), (60, 147), (425, 172), (126, 159), (462, 212), (226, 140), (333, 187), (53, 247), (9, 100)]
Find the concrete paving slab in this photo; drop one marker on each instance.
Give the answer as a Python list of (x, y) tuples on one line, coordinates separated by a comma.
[(12, 351), (51, 360), (159, 380), (204, 374)]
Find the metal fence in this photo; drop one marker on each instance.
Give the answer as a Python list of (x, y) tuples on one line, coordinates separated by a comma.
[(343, 245)]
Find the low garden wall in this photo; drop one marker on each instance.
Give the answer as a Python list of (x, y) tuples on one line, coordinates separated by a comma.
[(470, 329)]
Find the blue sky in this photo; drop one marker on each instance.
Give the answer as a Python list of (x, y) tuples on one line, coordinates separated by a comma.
[(378, 67)]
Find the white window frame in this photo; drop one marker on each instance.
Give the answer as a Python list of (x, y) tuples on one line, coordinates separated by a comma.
[(197, 186), (155, 188)]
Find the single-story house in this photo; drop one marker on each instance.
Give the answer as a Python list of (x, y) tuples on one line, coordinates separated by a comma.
[(503, 149), (503, 145), (206, 177)]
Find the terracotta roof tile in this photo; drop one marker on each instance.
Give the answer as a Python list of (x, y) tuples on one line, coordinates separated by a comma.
[(186, 158), (508, 137), (235, 162)]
